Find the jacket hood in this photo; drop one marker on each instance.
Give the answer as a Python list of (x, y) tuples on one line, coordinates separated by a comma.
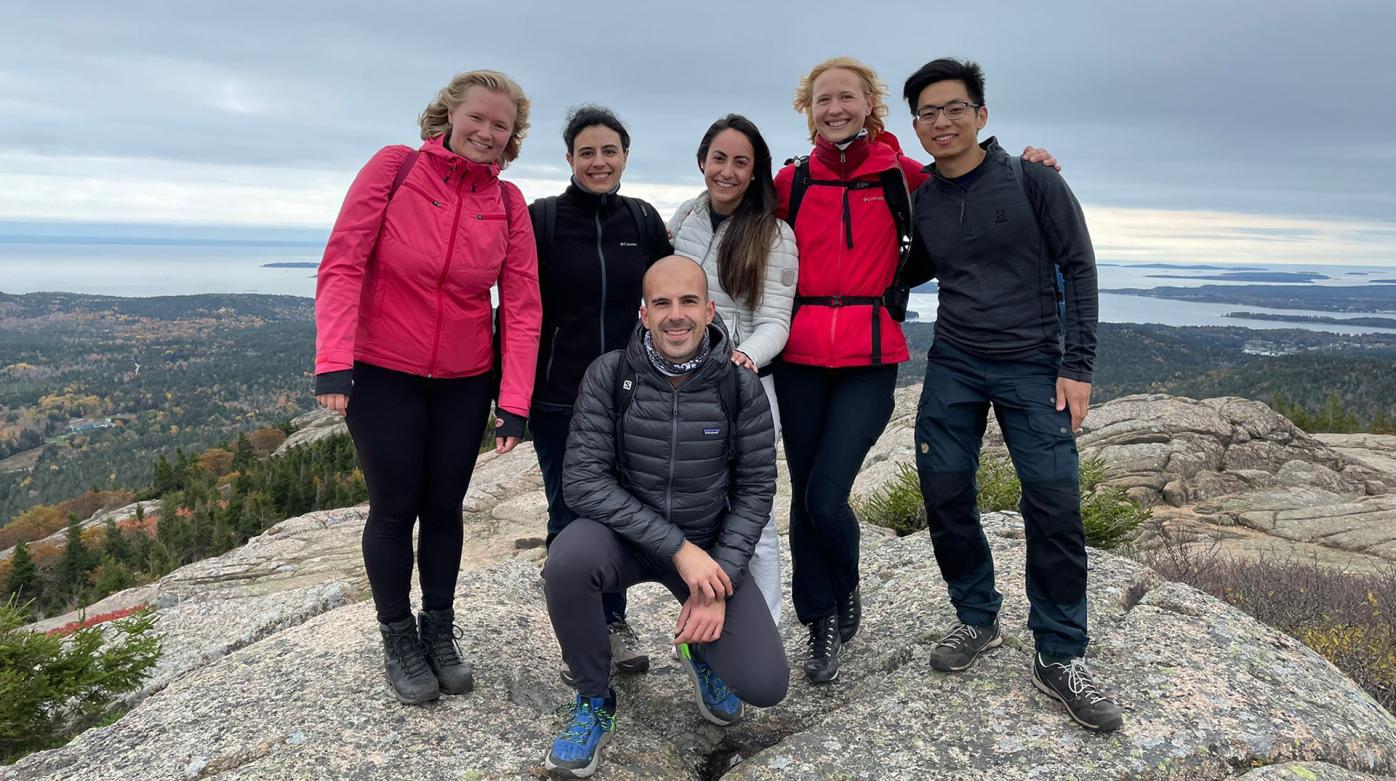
[(864, 155), (450, 165), (719, 353)]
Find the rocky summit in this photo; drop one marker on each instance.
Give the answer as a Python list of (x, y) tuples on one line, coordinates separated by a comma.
[(273, 663)]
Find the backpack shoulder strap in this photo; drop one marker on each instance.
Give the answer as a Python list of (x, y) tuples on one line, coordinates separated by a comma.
[(543, 213), (798, 185), (894, 191), (642, 227), (729, 395), (403, 170)]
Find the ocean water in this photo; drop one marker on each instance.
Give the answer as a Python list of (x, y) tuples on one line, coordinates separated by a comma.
[(164, 269)]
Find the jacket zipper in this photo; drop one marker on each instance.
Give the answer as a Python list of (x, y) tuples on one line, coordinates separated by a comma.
[(441, 281), (673, 455), (552, 351), (601, 257)]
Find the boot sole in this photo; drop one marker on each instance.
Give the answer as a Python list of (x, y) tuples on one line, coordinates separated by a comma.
[(821, 681), (995, 643), (640, 664), (1047, 690), (405, 700), (584, 771)]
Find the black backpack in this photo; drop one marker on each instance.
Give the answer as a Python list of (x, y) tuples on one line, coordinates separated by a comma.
[(623, 390), (894, 188)]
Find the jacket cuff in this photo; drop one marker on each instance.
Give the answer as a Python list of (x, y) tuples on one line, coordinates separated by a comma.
[(335, 382), (509, 424), (1079, 376)]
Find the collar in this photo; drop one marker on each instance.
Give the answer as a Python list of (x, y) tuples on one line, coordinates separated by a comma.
[(842, 159), (452, 167), (589, 199), (992, 152)]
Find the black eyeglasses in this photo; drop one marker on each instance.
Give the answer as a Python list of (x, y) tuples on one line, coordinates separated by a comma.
[(954, 110)]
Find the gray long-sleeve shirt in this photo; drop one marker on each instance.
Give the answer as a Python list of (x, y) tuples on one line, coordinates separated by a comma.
[(995, 253)]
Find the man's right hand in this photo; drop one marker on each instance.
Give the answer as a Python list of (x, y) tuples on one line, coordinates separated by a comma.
[(704, 577), (334, 402)]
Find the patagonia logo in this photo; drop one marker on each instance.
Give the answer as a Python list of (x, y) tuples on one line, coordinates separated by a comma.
[(629, 244), (711, 432), (1000, 215)]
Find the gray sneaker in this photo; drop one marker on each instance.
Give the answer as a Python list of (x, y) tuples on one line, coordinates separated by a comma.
[(1070, 682), (626, 656), (962, 645), (625, 648)]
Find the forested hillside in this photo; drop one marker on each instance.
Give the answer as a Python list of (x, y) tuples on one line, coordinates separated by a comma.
[(92, 388)]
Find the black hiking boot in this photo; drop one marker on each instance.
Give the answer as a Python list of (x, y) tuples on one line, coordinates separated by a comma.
[(822, 666), (1071, 683), (850, 614), (625, 648), (962, 645), (439, 640), (405, 663)]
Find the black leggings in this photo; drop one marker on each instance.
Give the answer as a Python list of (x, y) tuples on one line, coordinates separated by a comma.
[(417, 440), (830, 419)]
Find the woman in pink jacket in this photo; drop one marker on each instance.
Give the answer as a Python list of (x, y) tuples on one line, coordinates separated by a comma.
[(403, 350)]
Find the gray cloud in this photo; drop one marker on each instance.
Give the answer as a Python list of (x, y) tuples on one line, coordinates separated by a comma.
[(1246, 106)]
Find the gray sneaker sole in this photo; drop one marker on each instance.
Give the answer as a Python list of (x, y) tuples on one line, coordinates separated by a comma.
[(995, 643), (1109, 726), (584, 771)]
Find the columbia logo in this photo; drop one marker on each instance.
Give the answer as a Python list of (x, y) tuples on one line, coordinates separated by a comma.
[(629, 244), (871, 198), (711, 432)]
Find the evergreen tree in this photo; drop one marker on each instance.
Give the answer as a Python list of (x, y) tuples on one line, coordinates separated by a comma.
[(22, 573), (75, 564), (115, 546)]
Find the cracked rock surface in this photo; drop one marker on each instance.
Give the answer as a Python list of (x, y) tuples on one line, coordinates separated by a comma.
[(1208, 692)]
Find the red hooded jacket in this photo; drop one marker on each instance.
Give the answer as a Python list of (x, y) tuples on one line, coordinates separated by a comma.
[(405, 284), (852, 253)]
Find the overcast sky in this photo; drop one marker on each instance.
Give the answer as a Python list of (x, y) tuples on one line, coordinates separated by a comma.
[(1192, 131)]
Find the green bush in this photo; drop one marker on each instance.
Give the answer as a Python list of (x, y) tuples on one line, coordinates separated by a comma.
[(1109, 515), (53, 687)]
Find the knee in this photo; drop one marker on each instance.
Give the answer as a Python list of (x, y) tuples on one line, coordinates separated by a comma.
[(947, 492), (768, 691), (572, 562)]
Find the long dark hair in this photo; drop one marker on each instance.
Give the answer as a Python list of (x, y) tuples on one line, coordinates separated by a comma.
[(752, 229)]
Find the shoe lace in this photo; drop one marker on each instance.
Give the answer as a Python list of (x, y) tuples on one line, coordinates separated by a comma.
[(407, 649), (712, 683), (1080, 681), (583, 717), (963, 635), (627, 635), (445, 645), (821, 644)]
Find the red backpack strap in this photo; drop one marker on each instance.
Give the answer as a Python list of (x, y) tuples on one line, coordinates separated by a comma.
[(403, 170)]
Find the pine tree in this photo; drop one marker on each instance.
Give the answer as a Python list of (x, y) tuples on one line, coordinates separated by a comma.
[(115, 545), (75, 564), (22, 573)]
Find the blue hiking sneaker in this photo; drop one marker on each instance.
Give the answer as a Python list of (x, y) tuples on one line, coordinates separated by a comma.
[(716, 702), (577, 751)]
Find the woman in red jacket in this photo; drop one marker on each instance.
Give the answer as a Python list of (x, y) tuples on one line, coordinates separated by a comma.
[(403, 349), (840, 362)]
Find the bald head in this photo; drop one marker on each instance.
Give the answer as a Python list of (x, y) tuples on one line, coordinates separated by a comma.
[(677, 310), (676, 270)]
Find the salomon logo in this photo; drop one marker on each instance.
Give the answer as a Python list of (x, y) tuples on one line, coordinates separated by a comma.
[(628, 384), (711, 432)]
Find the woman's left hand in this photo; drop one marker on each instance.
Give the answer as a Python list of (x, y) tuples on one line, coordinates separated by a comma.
[(503, 445), (742, 359), (1035, 155)]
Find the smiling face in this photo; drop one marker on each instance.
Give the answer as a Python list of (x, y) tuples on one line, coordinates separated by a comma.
[(598, 158), (677, 310), (727, 170), (839, 106), (945, 139), (482, 124)]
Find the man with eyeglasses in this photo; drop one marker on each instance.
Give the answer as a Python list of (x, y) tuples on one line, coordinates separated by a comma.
[(1004, 241)]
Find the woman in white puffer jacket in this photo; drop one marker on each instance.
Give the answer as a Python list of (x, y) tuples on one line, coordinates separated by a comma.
[(732, 231)]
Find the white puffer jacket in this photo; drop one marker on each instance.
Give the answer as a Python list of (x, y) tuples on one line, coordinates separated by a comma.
[(760, 333)]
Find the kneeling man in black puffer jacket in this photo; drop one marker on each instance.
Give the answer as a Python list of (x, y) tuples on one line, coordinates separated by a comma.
[(665, 493)]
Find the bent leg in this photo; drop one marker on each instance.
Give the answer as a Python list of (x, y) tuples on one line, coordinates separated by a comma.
[(749, 656)]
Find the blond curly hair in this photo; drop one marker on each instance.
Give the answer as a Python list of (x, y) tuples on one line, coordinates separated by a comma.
[(873, 88), (434, 120)]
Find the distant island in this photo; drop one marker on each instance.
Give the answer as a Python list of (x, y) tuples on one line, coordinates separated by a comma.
[(1183, 266), (1353, 298), (1372, 322), (292, 264), (1250, 276)]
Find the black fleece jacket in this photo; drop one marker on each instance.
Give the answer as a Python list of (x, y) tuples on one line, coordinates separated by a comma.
[(993, 250), (590, 283)]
